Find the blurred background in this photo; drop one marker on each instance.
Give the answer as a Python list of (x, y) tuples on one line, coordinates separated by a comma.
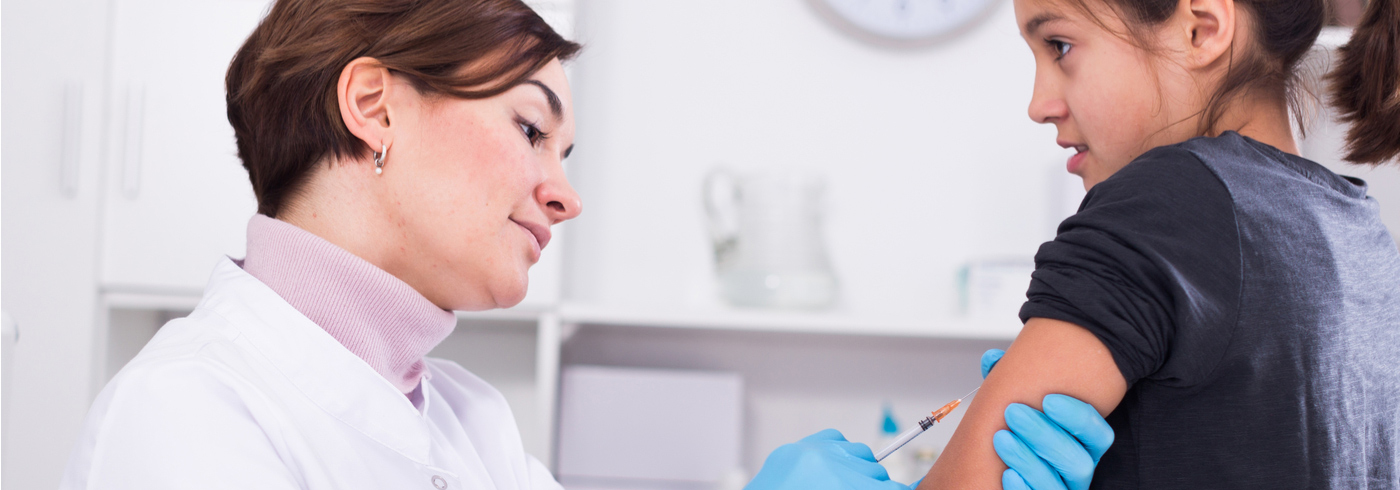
[(799, 214)]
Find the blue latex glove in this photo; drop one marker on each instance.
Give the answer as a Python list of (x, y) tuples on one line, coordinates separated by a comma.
[(822, 461), (1054, 450)]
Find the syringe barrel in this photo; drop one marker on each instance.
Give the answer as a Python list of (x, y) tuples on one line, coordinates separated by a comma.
[(899, 442)]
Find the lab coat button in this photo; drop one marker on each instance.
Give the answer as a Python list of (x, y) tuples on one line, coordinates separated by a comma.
[(439, 482)]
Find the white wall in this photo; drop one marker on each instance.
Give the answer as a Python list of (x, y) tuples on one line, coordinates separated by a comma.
[(930, 157)]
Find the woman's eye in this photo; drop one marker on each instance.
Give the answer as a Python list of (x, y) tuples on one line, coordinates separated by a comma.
[(1061, 48), (532, 133)]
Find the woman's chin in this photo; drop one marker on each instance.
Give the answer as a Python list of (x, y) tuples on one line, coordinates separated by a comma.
[(500, 293), (508, 295)]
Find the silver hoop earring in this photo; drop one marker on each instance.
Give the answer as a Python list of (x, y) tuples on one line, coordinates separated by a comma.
[(379, 157)]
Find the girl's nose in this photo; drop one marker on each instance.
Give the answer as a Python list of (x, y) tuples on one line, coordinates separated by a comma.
[(1047, 103), (558, 198)]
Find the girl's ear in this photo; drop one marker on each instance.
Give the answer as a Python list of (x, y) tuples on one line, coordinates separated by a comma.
[(363, 95), (1210, 25)]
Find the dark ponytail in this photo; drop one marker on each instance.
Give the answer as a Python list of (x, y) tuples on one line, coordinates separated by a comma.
[(1365, 85)]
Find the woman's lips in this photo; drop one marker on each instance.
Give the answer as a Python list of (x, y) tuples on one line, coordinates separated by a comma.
[(539, 236)]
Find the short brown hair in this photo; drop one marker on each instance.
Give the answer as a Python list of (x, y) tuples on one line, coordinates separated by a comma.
[(281, 85)]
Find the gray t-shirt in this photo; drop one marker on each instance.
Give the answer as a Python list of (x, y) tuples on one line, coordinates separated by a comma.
[(1251, 298)]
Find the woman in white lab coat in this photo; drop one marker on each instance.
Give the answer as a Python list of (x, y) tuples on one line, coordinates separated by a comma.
[(406, 156)]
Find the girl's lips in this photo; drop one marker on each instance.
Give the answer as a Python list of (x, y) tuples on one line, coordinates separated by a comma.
[(1076, 162)]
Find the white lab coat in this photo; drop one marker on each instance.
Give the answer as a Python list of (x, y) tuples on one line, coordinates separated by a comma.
[(247, 393)]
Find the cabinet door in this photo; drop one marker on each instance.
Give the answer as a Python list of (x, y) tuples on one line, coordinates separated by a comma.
[(53, 98), (177, 197)]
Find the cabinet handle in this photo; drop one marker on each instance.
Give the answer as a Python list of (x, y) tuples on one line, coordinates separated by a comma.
[(70, 161), (131, 149)]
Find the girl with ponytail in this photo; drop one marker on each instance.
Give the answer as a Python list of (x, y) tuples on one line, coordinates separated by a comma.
[(1231, 308)]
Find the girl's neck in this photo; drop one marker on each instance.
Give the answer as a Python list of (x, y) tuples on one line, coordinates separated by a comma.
[(1263, 119)]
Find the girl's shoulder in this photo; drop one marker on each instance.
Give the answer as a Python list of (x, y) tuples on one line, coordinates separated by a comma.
[(1209, 174), (1248, 167), (1165, 181)]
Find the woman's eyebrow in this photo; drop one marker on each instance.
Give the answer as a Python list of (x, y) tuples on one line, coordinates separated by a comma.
[(555, 105), (1039, 20)]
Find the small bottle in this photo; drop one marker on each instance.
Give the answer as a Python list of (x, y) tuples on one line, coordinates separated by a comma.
[(900, 465)]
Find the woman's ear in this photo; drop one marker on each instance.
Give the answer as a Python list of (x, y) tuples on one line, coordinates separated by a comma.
[(363, 95), (1210, 25)]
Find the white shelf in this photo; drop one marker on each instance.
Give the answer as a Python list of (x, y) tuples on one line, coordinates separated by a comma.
[(813, 322), (150, 299), (790, 321)]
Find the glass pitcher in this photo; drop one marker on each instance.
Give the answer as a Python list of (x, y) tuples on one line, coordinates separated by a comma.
[(766, 232)]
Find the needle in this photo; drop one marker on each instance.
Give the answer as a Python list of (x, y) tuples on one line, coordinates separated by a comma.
[(922, 426), (969, 394)]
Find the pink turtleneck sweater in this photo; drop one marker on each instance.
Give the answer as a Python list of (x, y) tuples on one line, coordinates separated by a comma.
[(372, 313)]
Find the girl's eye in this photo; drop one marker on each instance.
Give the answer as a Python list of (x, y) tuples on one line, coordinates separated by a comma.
[(533, 133), (1061, 48)]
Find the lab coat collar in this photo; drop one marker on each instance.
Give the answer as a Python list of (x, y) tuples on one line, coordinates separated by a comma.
[(331, 376)]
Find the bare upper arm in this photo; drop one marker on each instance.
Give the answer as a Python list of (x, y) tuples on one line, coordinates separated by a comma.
[(1049, 356)]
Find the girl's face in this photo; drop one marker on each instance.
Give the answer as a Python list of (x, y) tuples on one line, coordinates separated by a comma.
[(1110, 100), (473, 187)]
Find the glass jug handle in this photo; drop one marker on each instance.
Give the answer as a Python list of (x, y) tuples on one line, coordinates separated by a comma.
[(721, 195)]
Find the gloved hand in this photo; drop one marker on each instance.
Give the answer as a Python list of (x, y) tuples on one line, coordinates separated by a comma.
[(1039, 449), (1054, 450), (821, 461)]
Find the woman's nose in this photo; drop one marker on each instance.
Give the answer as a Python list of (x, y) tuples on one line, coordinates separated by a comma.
[(560, 201), (1047, 104)]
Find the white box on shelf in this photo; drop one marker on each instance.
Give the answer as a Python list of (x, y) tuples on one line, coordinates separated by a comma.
[(648, 428), (992, 291)]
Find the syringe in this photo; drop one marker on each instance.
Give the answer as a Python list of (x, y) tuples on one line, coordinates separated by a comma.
[(922, 426)]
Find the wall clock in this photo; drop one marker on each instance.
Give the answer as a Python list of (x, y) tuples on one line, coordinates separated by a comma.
[(904, 23)]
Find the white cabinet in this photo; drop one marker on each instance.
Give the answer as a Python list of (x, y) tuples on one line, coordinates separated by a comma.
[(54, 62), (177, 197)]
